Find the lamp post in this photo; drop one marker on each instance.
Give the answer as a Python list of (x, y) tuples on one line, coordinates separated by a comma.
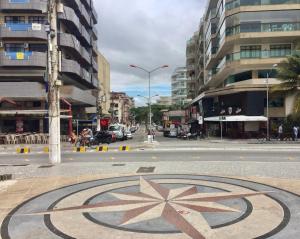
[(149, 86), (268, 112)]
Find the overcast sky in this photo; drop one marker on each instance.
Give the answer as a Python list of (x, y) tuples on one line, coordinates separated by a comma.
[(148, 33)]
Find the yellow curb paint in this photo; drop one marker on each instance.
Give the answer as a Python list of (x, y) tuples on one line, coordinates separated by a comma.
[(23, 150), (124, 148), (102, 149), (80, 149)]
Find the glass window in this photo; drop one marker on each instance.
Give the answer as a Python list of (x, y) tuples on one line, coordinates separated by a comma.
[(14, 47), (37, 19), (253, 51), (38, 47), (14, 19), (280, 50)]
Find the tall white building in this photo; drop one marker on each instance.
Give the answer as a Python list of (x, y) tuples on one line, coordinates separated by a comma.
[(179, 86)]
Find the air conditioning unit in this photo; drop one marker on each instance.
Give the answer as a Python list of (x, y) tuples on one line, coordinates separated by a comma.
[(26, 45)]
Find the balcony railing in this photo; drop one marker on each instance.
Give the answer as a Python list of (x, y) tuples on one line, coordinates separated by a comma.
[(261, 54), (21, 59), (94, 14), (263, 27), (95, 65), (26, 5), (70, 16), (70, 66), (238, 3), (23, 30)]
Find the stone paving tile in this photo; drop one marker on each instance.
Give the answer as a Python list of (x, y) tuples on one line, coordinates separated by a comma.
[(25, 189)]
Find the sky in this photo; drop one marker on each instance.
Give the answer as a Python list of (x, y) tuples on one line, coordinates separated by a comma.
[(147, 33)]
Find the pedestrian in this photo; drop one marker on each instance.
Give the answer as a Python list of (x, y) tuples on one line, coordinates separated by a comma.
[(295, 133), (153, 133), (280, 132)]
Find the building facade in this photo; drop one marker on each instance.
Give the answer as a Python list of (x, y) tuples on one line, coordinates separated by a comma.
[(104, 82), (242, 43), (164, 101), (179, 86), (23, 60), (121, 105)]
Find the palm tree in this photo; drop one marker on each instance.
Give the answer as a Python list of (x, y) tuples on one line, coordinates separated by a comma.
[(289, 75)]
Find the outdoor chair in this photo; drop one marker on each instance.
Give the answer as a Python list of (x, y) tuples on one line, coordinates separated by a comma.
[(7, 139)]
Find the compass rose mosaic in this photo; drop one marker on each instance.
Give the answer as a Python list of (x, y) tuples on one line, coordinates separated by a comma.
[(158, 206)]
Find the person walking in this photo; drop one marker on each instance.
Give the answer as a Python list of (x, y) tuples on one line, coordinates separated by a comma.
[(295, 133), (280, 132)]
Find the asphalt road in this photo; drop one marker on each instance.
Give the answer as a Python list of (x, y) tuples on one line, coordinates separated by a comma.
[(159, 154)]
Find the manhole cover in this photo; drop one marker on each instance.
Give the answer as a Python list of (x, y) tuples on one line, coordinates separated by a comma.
[(146, 170)]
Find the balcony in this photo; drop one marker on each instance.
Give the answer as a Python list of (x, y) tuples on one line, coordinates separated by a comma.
[(24, 5), (86, 75), (94, 14), (95, 65), (85, 15), (86, 36), (237, 3), (85, 55), (23, 59), (95, 33), (23, 30), (95, 46), (70, 66), (69, 40), (70, 16), (95, 80)]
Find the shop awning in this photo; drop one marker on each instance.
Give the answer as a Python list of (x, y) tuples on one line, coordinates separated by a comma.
[(27, 112), (236, 118)]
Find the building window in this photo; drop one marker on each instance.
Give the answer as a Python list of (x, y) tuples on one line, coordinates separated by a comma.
[(14, 47), (251, 51), (38, 47), (14, 19), (37, 19), (280, 50)]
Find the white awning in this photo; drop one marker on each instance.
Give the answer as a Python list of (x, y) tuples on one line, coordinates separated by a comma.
[(236, 118), (27, 112)]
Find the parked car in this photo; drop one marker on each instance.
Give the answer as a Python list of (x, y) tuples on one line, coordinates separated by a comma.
[(133, 129), (129, 135), (103, 137), (118, 130)]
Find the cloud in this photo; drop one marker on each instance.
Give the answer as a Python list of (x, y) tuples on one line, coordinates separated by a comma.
[(148, 33)]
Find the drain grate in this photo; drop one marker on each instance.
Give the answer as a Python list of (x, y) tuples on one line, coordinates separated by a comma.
[(46, 166), (5, 177), (146, 170), (119, 165)]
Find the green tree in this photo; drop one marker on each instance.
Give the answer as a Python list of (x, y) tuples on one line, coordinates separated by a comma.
[(289, 75)]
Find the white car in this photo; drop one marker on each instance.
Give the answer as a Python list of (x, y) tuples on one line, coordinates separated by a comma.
[(129, 135), (118, 130)]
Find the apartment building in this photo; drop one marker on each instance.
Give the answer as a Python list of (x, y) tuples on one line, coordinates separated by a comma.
[(243, 42), (102, 93), (179, 86), (23, 60), (121, 105), (164, 101)]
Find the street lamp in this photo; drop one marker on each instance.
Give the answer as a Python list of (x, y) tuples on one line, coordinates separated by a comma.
[(149, 76), (268, 114)]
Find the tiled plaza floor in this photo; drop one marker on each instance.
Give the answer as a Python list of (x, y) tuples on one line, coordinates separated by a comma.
[(150, 206)]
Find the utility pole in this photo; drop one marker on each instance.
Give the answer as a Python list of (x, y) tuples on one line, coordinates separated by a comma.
[(54, 84)]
